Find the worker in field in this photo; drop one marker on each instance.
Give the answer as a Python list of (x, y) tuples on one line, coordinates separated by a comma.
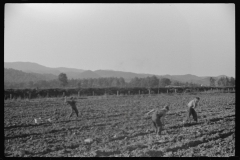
[(191, 109), (72, 103), (158, 118)]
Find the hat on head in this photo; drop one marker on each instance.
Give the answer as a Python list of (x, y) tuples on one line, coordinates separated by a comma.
[(166, 107)]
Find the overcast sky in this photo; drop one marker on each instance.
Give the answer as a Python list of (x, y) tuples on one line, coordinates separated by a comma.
[(159, 39)]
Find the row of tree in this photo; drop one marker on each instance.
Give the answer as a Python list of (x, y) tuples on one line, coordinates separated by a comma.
[(222, 82), (148, 82)]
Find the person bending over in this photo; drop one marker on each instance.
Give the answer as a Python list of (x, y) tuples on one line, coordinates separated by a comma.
[(158, 118), (72, 103), (191, 109)]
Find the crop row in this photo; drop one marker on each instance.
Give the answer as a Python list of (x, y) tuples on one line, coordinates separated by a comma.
[(118, 127)]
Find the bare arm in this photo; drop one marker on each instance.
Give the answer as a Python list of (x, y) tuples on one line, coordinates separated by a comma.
[(164, 113), (150, 111), (163, 120), (65, 101)]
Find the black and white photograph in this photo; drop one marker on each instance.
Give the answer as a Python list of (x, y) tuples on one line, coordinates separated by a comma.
[(119, 80)]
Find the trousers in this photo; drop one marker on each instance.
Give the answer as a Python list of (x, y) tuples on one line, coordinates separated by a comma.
[(73, 110), (192, 112), (156, 119)]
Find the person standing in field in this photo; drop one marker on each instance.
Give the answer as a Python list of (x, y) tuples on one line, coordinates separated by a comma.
[(158, 118), (191, 109), (72, 103)]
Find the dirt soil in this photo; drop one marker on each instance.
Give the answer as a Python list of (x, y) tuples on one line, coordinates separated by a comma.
[(118, 126)]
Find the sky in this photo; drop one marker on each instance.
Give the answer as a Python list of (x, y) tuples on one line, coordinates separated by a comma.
[(151, 38)]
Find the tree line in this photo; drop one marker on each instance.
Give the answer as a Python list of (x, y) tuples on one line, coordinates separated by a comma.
[(148, 82), (222, 82)]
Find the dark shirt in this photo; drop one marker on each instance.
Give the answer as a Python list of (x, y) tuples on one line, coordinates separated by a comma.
[(72, 103)]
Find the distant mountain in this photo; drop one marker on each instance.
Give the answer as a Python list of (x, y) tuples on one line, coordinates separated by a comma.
[(71, 72), (63, 69), (88, 74), (80, 74), (12, 75), (30, 67)]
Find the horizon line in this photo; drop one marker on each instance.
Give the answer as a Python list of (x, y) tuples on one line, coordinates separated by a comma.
[(122, 71)]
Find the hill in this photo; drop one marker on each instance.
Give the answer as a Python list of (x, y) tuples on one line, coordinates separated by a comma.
[(80, 73), (12, 75), (88, 74), (30, 67)]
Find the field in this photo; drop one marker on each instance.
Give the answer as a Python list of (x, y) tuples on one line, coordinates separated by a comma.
[(117, 126)]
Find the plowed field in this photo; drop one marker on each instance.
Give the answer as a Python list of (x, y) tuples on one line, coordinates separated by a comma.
[(118, 126)]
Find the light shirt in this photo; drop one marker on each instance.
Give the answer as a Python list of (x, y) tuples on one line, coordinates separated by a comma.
[(192, 104), (160, 113)]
